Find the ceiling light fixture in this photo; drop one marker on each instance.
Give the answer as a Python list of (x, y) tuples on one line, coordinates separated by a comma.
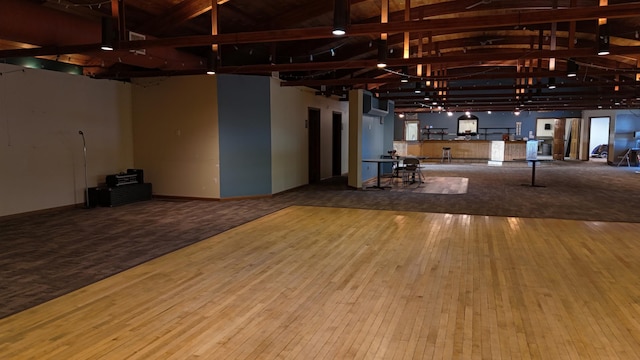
[(405, 74), (382, 53), (603, 39), (340, 17), (572, 68), (418, 88), (108, 35), (552, 83), (211, 62)]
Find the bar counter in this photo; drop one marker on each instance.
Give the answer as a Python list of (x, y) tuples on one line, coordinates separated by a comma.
[(461, 149)]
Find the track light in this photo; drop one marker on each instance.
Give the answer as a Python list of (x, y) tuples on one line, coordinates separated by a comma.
[(603, 39), (552, 83), (211, 62), (572, 68), (108, 35), (340, 17), (382, 53)]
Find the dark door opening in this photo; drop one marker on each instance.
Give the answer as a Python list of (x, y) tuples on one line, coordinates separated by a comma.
[(314, 145), (336, 153)]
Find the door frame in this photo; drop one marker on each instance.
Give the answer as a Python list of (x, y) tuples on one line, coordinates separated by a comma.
[(336, 144), (314, 156)]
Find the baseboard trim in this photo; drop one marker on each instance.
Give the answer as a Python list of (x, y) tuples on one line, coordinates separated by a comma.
[(182, 198), (252, 197), (192, 198)]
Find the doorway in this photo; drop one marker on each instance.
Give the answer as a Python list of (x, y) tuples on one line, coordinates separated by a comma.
[(599, 139), (336, 145), (314, 145)]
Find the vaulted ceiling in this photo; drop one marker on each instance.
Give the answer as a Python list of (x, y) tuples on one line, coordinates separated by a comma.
[(459, 54)]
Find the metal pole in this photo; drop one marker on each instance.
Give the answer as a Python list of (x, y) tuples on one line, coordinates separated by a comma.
[(86, 184)]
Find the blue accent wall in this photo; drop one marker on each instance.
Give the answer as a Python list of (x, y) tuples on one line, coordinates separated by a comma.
[(244, 115), (377, 139), (372, 145), (494, 120), (626, 124)]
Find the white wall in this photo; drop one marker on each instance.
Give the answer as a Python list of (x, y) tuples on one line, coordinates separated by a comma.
[(289, 136), (540, 128), (176, 135), (41, 152)]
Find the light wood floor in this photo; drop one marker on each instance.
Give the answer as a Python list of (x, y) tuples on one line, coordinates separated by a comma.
[(333, 283)]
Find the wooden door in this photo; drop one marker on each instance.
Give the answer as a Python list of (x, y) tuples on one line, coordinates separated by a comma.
[(558, 139), (575, 139)]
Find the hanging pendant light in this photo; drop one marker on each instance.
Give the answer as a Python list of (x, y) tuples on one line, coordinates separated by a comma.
[(340, 17), (382, 53), (108, 35)]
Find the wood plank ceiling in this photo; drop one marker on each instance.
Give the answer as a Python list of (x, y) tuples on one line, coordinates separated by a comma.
[(473, 55)]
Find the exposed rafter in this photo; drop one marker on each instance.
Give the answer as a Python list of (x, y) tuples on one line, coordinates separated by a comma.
[(511, 48)]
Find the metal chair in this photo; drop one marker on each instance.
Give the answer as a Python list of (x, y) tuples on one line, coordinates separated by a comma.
[(391, 171), (411, 170)]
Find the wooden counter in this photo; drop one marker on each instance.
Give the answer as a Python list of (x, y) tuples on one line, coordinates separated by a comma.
[(460, 149), (515, 150)]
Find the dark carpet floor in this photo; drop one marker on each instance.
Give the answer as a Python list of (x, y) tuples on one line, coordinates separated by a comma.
[(46, 255)]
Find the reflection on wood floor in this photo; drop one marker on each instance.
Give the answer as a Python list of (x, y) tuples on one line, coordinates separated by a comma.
[(335, 283)]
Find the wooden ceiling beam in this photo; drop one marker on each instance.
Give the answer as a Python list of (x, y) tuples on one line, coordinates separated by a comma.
[(460, 59), (440, 25), (470, 23), (460, 77)]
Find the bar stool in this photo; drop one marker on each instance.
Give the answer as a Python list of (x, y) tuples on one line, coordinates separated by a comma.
[(446, 154)]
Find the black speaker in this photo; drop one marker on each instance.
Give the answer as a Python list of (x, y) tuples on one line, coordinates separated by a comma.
[(139, 174)]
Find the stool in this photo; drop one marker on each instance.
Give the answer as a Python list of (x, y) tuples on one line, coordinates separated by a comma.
[(446, 154)]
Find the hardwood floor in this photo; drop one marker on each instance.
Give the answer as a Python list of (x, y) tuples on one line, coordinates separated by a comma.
[(336, 283)]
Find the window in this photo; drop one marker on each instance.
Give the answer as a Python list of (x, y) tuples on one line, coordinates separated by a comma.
[(467, 125), (411, 130)]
